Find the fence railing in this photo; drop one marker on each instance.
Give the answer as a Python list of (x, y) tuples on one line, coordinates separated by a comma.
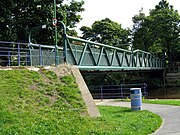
[(25, 54), (45, 55), (121, 91), (14, 54), (88, 56)]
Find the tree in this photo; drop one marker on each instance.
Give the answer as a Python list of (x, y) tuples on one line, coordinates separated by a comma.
[(18, 17), (140, 38), (160, 32), (167, 30), (106, 32)]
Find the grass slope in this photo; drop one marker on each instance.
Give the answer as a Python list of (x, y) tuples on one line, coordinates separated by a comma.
[(33, 103)]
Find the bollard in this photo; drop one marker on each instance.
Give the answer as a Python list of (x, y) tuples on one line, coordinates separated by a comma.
[(136, 99)]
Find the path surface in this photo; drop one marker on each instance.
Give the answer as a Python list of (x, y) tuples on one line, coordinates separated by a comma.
[(169, 114)]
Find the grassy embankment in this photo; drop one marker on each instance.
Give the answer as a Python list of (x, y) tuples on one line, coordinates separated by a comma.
[(34, 103)]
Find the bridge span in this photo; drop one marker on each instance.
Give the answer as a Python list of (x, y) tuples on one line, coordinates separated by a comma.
[(86, 55), (95, 56)]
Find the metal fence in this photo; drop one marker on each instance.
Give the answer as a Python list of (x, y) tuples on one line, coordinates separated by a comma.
[(25, 54), (45, 55), (121, 91), (14, 54), (87, 56)]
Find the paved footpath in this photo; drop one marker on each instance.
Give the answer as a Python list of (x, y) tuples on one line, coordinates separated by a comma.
[(170, 115)]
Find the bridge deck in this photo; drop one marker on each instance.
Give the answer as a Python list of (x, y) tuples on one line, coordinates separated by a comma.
[(107, 68)]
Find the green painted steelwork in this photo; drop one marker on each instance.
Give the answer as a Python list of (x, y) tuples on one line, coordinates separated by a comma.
[(88, 55), (56, 34)]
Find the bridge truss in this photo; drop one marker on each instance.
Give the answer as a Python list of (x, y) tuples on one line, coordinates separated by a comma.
[(86, 55)]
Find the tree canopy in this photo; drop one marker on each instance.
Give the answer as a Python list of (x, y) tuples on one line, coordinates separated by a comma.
[(18, 17), (107, 32), (158, 32)]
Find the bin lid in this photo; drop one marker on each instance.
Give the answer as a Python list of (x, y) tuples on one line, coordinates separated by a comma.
[(135, 90)]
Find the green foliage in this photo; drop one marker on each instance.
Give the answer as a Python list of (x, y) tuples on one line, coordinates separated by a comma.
[(39, 103), (19, 17), (158, 32), (106, 32), (140, 39)]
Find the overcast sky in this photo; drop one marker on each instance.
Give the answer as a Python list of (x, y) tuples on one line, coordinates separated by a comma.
[(120, 11)]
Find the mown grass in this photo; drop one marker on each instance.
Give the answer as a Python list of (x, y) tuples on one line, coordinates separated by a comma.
[(33, 103), (175, 102)]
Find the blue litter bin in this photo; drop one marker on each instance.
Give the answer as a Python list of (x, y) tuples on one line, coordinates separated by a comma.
[(136, 99)]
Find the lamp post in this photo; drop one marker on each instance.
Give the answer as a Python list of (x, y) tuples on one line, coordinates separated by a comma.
[(30, 32), (55, 27)]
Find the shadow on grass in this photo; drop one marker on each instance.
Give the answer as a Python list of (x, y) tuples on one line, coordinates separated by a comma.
[(128, 110)]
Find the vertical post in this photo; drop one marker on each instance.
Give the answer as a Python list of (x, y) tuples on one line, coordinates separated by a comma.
[(40, 55), (26, 60), (9, 59), (65, 48), (121, 92), (19, 55), (144, 89), (132, 60), (64, 42), (56, 46), (101, 93), (132, 55), (30, 56)]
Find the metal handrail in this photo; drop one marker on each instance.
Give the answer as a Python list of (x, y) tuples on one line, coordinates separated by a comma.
[(117, 91)]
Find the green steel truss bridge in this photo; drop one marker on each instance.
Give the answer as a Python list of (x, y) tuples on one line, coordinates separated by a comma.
[(86, 55), (96, 56)]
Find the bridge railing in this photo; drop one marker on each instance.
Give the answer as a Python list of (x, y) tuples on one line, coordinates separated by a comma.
[(91, 55), (87, 55), (45, 55), (146, 59), (28, 54), (14, 54)]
